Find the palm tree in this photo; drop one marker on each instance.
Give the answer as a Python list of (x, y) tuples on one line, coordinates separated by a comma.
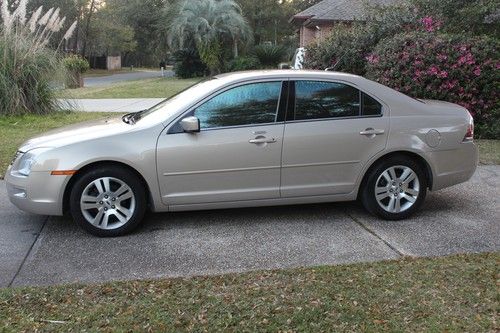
[(210, 24)]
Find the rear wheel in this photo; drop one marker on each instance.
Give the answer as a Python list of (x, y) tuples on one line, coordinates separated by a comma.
[(394, 188), (108, 202)]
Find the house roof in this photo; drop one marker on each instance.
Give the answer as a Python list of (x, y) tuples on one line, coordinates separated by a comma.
[(338, 10)]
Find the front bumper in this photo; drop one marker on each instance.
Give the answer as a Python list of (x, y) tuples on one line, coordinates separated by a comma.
[(39, 193)]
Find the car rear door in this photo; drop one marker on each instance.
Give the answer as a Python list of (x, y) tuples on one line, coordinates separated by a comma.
[(332, 130), (237, 154)]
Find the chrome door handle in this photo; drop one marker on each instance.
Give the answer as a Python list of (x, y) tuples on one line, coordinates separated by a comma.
[(262, 140), (372, 132)]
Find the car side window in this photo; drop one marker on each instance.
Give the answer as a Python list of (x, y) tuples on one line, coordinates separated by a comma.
[(319, 100), (255, 103), (369, 106)]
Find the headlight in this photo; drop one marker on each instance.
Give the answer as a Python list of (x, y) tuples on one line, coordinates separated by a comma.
[(18, 154), (23, 162)]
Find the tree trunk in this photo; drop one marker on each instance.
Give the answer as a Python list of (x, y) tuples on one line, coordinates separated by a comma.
[(87, 28)]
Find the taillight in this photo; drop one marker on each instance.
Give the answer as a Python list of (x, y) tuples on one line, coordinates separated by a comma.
[(469, 135)]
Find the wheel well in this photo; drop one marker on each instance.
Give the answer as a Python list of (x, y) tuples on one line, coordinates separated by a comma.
[(415, 157), (101, 164)]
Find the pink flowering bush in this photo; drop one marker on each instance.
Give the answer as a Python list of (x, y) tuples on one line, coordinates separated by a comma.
[(458, 69)]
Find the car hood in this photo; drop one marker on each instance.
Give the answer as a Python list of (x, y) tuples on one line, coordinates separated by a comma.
[(77, 133)]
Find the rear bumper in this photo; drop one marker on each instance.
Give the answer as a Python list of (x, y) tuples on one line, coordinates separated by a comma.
[(39, 193), (451, 167)]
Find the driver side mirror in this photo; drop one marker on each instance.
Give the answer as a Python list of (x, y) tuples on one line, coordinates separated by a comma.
[(190, 124)]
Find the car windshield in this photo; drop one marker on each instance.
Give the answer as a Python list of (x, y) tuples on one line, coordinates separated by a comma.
[(179, 100)]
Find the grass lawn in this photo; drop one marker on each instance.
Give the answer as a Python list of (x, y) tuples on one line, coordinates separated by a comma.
[(147, 88), (489, 151), (449, 294), (14, 130)]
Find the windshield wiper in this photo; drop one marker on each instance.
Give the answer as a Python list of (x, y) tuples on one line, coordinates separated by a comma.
[(137, 116), (129, 118)]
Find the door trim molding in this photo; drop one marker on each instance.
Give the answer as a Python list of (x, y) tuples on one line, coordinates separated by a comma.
[(218, 171), (318, 164)]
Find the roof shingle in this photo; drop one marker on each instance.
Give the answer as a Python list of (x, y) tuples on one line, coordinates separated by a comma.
[(339, 10)]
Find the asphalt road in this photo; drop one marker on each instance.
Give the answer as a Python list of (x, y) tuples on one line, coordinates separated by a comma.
[(40, 251), (120, 77)]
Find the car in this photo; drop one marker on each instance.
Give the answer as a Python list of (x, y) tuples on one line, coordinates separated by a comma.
[(249, 139)]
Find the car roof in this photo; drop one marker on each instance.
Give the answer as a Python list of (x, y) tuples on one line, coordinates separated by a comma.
[(258, 74)]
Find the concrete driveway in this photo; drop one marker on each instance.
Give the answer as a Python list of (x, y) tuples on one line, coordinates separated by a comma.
[(121, 77), (41, 251)]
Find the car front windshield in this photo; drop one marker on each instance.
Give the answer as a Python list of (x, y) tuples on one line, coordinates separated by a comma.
[(179, 100)]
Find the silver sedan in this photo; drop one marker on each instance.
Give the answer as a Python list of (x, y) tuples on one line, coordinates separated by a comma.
[(244, 140)]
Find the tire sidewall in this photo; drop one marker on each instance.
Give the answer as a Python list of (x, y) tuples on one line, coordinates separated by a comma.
[(368, 192), (109, 171)]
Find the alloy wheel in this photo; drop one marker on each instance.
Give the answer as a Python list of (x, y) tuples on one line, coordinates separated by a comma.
[(397, 189), (107, 203)]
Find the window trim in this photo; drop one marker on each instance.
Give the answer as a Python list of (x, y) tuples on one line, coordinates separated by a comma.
[(290, 118), (281, 108)]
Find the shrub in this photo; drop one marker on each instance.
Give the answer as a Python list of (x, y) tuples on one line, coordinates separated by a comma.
[(244, 64), (269, 56), (75, 63), (187, 64), (343, 50), (455, 68), (28, 67), (75, 66)]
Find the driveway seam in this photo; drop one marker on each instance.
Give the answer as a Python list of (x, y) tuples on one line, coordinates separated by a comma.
[(368, 229), (28, 252)]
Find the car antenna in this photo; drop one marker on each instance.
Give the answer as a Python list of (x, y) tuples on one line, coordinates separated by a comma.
[(330, 69)]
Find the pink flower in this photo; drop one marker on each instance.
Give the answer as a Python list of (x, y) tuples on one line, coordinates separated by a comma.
[(448, 85), (372, 59), (477, 71), (433, 70), (442, 57), (430, 24), (443, 74), (467, 59), (418, 63)]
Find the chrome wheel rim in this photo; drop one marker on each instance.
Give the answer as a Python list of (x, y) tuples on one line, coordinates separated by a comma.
[(107, 203), (397, 189)]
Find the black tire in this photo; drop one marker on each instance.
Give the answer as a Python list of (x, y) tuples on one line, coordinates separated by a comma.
[(368, 197), (118, 173)]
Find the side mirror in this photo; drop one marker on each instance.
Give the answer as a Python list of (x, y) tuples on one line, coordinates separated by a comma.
[(190, 124)]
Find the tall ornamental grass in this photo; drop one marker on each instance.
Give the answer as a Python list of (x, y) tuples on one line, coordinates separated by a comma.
[(28, 68)]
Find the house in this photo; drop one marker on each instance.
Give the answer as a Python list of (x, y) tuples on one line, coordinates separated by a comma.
[(316, 22)]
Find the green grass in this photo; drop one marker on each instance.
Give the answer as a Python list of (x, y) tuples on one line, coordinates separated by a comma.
[(147, 88), (105, 72), (14, 130), (449, 294), (489, 151)]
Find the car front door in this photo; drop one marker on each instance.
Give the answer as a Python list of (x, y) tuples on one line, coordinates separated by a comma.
[(332, 130), (236, 156)]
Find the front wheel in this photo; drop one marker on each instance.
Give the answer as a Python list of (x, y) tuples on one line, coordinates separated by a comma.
[(395, 188), (108, 202)]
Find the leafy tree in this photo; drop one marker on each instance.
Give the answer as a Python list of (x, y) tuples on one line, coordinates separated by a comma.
[(146, 19), (211, 25), (109, 35)]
